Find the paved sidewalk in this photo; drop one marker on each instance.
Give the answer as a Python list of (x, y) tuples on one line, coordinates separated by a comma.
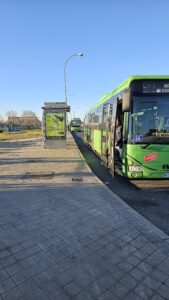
[(64, 235)]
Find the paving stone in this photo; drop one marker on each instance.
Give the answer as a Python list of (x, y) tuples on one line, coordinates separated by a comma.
[(84, 279), (164, 266), (21, 254), (73, 289), (156, 258), (16, 248), (119, 243), (37, 294), (146, 267), (133, 260), (27, 286), (3, 275), (27, 262), (94, 247), (47, 263), (119, 290), (6, 285), (152, 283), (116, 273), (144, 292), (126, 238), (108, 296), (132, 296), (166, 281), (124, 266), (93, 259), (4, 254), (13, 294), (139, 242), (60, 295), (62, 279), (96, 271), (129, 282), (43, 278), (15, 268), (50, 288), (84, 295), (112, 247), (54, 270), (157, 297), (106, 281), (140, 254), (20, 277), (41, 255), (138, 274), (149, 248), (33, 249), (160, 276), (34, 269), (8, 261), (95, 290), (163, 291)]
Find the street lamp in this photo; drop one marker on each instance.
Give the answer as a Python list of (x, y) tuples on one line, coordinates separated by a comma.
[(77, 54)]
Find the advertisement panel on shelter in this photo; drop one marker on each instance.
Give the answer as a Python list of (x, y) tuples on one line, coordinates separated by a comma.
[(55, 124)]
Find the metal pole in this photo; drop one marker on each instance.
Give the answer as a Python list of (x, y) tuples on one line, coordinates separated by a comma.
[(65, 83)]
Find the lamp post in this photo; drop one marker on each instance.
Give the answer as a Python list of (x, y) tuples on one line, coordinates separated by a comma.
[(76, 54)]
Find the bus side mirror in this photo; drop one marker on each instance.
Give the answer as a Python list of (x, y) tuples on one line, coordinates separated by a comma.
[(126, 103)]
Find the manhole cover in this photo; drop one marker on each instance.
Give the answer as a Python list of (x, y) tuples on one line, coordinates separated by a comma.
[(37, 175), (77, 179)]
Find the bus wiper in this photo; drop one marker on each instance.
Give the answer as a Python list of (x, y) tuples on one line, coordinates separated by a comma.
[(146, 146)]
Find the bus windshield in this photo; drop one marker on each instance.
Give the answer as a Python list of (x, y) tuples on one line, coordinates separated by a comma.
[(149, 121), (76, 122)]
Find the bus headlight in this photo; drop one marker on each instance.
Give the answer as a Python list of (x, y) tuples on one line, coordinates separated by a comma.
[(133, 168)]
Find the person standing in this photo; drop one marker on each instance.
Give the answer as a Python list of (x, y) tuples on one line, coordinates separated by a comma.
[(118, 140)]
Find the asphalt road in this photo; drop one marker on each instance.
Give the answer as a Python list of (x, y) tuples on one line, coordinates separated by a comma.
[(150, 198)]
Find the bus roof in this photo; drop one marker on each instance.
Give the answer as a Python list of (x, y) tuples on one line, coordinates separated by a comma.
[(124, 85)]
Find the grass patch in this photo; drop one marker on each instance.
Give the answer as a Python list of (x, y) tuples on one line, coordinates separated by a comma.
[(19, 135)]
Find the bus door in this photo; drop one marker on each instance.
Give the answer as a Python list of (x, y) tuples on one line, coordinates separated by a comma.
[(112, 138), (105, 134), (88, 129)]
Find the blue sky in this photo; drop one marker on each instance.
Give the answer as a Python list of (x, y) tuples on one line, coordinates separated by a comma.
[(118, 38)]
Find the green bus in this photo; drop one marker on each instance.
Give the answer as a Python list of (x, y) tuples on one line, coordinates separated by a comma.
[(141, 106), (75, 125)]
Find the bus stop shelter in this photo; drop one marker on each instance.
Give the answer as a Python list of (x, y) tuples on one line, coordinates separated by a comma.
[(55, 124)]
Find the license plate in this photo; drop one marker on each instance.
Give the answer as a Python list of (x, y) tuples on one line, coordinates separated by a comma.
[(166, 175)]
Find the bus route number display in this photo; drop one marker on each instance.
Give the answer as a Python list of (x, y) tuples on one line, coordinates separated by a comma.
[(55, 124), (155, 88)]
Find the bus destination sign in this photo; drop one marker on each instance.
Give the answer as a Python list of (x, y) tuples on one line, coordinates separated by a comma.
[(159, 87)]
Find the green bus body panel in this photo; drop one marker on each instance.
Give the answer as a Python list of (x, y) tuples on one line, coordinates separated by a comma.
[(125, 85), (153, 168), (97, 141)]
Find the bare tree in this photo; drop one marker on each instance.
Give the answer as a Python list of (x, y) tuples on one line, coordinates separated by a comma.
[(1, 119), (28, 114), (11, 114), (30, 119)]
